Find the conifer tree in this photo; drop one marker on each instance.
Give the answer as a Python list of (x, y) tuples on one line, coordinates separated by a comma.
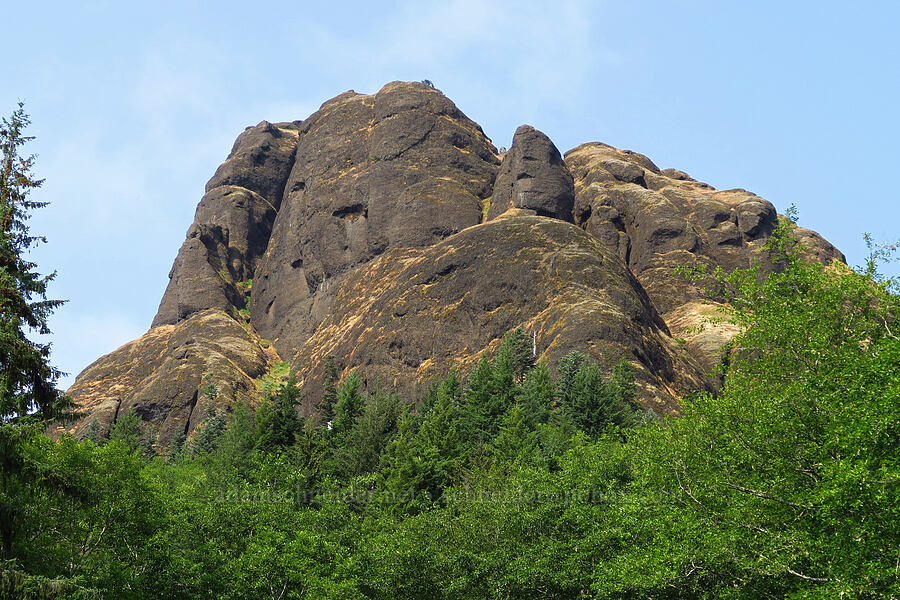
[(127, 430), (279, 425), (349, 404), (27, 379), (330, 394)]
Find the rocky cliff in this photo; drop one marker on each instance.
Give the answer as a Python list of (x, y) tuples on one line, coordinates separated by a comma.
[(387, 231)]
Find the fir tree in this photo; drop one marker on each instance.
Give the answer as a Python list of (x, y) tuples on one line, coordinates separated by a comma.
[(350, 402), (127, 430), (278, 422), (330, 394), (27, 380)]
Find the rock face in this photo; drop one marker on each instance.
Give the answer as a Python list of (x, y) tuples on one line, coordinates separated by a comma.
[(414, 314), (533, 176), (403, 168), (232, 225), (659, 220), (160, 375), (385, 230)]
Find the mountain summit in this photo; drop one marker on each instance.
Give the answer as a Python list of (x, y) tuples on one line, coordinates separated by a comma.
[(386, 230)]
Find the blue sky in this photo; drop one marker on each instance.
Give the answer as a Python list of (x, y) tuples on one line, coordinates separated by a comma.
[(135, 104)]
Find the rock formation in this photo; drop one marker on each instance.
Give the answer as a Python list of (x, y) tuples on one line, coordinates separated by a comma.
[(385, 230), (534, 177), (657, 220)]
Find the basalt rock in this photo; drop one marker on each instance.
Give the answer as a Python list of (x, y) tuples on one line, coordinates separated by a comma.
[(403, 168), (657, 221), (232, 225), (533, 176), (384, 230), (415, 314), (162, 375)]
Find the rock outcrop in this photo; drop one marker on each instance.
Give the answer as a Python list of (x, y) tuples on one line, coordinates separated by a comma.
[(385, 230), (659, 220), (533, 176), (232, 225), (414, 314), (403, 168), (161, 374)]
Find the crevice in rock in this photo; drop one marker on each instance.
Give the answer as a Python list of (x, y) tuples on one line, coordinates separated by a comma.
[(187, 424), (351, 212), (116, 414)]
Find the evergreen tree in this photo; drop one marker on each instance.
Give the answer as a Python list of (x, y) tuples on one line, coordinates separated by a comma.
[(516, 350), (27, 380), (29, 399), (349, 404), (93, 432), (176, 445), (278, 423), (359, 449), (516, 441), (479, 389), (210, 432), (536, 395), (591, 401), (240, 436), (569, 367), (330, 393), (420, 463), (127, 430)]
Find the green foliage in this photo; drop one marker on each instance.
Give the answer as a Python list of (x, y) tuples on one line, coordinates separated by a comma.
[(127, 430), (275, 378), (210, 391), (93, 432), (513, 484), (785, 484), (349, 404), (209, 432), (358, 449), (278, 423), (176, 444), (593, 402), (422, 461)]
